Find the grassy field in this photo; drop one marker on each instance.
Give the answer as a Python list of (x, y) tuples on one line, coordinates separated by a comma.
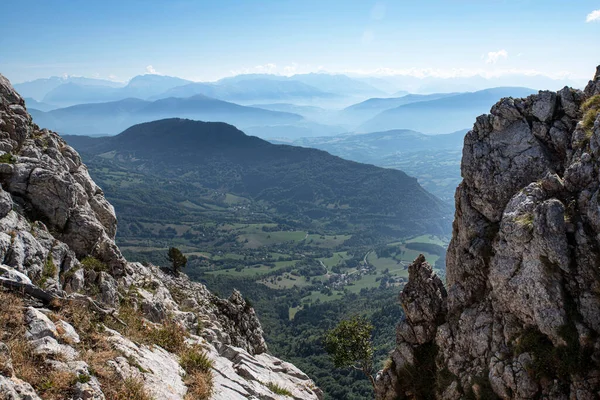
[(259, 239), (285, 281), (326, 240), (428, 239), (336, 259), (252, 271)]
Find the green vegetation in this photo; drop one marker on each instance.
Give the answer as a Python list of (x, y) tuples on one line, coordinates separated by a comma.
[(93, 264), (591, 110), (350, 345), (177, 259), (49, 271), (307, 250), (7, 158), (195, 359), (197, 366), (277, 389)]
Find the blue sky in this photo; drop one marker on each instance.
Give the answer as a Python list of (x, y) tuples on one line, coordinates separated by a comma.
[(206, 40)]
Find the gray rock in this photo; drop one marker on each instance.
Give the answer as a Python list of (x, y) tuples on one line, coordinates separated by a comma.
[(11, 274), (14, 388), (39, 325), (49, 346), (521, 267), (67, 333)]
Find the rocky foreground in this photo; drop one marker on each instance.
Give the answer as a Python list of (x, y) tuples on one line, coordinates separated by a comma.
[(521, 315), (77, 321)]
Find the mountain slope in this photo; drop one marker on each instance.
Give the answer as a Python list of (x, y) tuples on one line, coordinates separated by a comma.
[(113, 117), (441, 115), (433, 159), (520, 318), (363, 111), (296, 181), (79, 321)]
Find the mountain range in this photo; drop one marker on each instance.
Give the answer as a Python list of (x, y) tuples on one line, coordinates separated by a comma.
[(444, 114), (113, 117), (242, 88)]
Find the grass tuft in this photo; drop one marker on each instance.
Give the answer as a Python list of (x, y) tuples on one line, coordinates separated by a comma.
[(591, 110), (275, 388), (194, 358)]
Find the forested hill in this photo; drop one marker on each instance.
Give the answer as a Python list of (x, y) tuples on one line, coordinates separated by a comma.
[(299, 182)]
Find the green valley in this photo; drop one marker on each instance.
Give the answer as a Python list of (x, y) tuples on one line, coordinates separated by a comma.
[(307, 237)]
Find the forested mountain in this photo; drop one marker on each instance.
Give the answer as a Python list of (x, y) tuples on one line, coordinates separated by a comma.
[(305, 183)]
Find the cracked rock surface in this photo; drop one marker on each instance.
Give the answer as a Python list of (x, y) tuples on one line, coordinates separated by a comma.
[(521, 318)]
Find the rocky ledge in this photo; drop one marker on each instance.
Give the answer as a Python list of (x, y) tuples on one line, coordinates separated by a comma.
[(77, 321), (521, 316)]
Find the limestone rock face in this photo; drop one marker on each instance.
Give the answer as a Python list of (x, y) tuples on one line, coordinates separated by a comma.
[(521, 319), (57, 248)]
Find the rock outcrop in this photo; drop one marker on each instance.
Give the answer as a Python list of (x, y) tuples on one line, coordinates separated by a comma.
[(521, 319), (82, 313)]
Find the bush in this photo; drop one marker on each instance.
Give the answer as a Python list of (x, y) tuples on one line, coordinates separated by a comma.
[(93, 264), (350, 345)]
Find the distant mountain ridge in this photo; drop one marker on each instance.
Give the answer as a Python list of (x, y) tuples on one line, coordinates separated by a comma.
[(38, 88), (113, 117), (443, 114), (241, 88)]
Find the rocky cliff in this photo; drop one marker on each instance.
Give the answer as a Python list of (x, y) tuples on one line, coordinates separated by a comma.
[(521, 315), (77, 321)]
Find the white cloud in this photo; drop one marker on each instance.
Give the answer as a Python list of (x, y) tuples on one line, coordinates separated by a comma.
[(268, 68), (494, 56), (290, 69), (593, 16), (454, 72), (150, 69), (274, 69), (378, 11)]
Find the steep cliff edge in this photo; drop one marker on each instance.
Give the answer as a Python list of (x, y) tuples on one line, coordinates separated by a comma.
[(77, 321), (521, 316)]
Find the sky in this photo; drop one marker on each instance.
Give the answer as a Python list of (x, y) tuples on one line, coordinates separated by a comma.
[(207, 40)]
